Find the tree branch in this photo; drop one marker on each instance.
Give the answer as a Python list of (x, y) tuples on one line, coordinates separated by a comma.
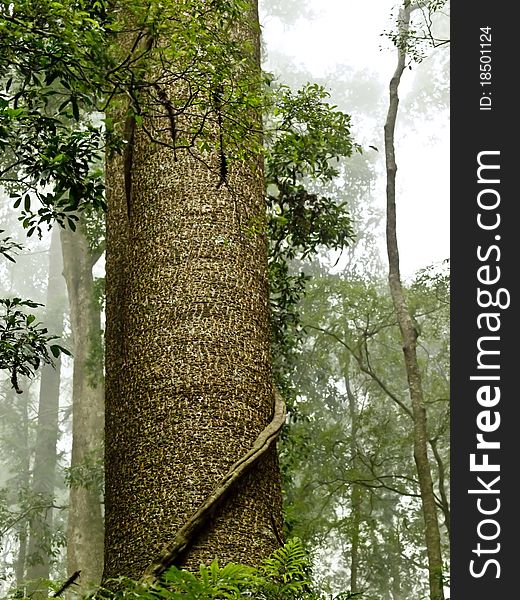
[(365, 369)]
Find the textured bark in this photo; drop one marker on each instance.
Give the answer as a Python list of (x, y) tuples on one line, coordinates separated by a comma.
[(409, 333), (199, 520), (189, 382), (45, 457), (85, 523)]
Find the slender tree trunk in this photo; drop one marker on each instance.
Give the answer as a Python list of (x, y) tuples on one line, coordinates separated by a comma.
[(356, 493), (19, 565), (355, 498), (45, 458), (85, 522), (396, 580), (395, 570), (443, 493), (409, 333), (189, 382), (23, 484)]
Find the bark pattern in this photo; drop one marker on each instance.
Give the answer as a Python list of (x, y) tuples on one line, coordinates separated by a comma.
[(189, 380), (188, 361)]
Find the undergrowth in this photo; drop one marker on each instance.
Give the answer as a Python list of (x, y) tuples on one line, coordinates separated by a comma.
[(284, 575)]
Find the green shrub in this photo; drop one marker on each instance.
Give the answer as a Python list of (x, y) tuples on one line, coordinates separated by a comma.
[(285, 575)]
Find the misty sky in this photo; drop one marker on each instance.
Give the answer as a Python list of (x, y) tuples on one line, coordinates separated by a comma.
[(342, 33)]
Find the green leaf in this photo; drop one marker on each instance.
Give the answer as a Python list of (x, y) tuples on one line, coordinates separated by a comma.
[(55, 351), (63, 105)]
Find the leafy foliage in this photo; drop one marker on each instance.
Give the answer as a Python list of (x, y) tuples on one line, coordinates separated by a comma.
[(58, 159), (285, 575), (8, 247), (23, 340), (354, 431), (64, 60), (89, 473), (53, 56), (423, 33), (212, 581), (31, 506), (213, 71), (305, 135)]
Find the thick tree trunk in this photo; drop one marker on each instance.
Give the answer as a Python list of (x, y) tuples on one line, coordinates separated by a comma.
[(85, 522), (189, 382), (409, 334), (45, 457)]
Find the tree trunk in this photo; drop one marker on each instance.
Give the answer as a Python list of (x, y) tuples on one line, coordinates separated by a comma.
[(356, 493), (395, 562), (355, 498), (22, 484), (396, 579), (443, 493), (188, 365), (409, 333), (85, 522), (45, 457), (19, 565)]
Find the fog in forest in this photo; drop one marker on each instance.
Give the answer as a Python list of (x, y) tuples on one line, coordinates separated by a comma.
[(351, 491)]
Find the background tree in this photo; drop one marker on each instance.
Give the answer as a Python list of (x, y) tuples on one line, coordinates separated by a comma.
[(44, 470), (409, 332), (352, 332), (30, 419), (354, 328), (49, 168), (81, 252)]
